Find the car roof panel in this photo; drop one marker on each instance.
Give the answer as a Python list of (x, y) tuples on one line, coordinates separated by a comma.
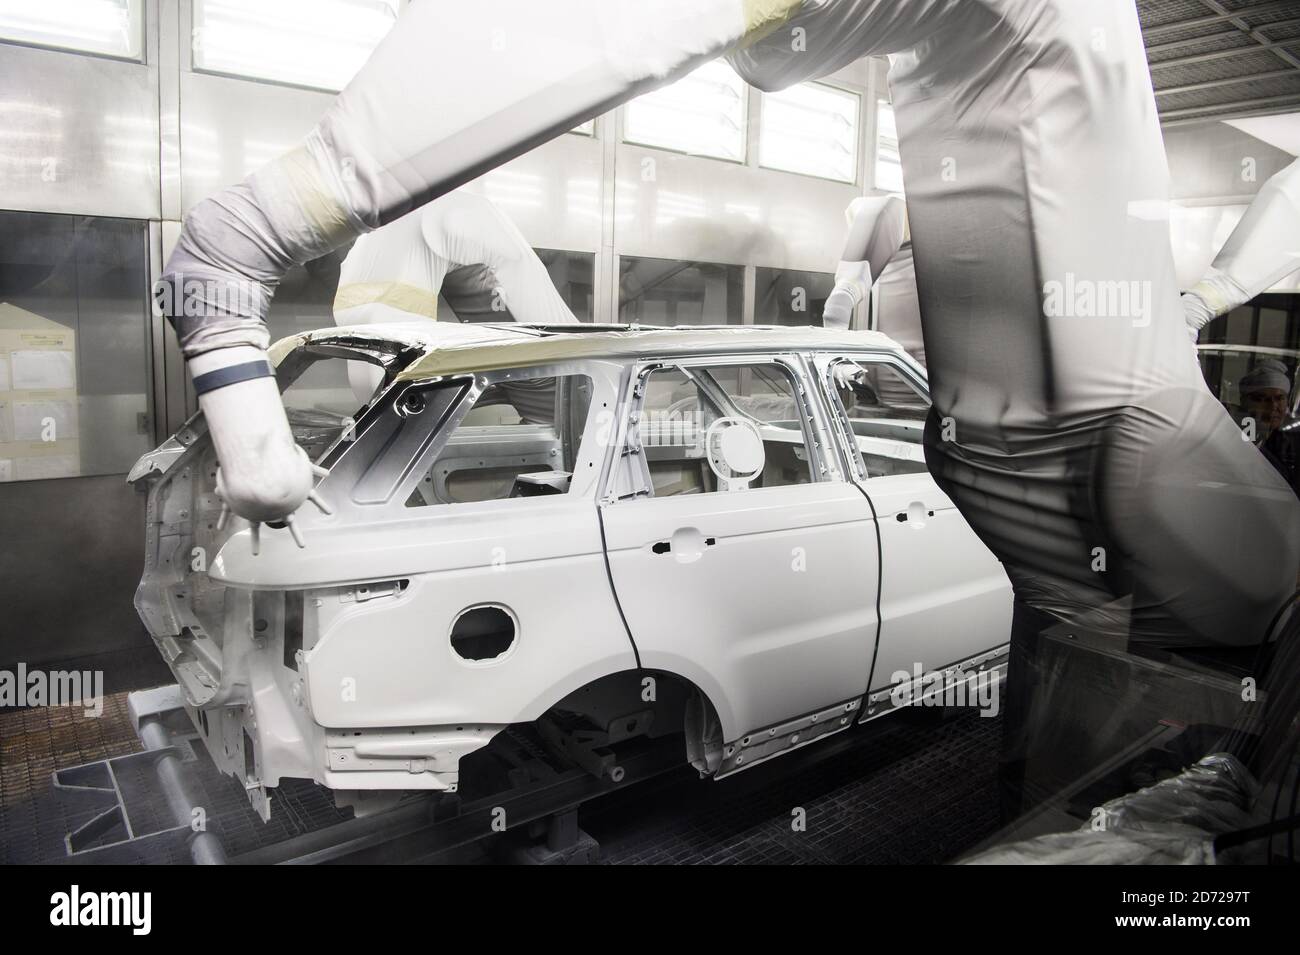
[(453, 348)]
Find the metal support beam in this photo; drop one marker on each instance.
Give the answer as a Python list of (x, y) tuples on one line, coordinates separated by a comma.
[(1213, 111), (1225, 81), (1224, 117), (1224, 54), (1235, 18), (1193, 41), (1261, 9)]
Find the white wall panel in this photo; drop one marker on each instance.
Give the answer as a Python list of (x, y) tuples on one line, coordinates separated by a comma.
[(78, 134), (229, 127), (552, 193), (670, 206)]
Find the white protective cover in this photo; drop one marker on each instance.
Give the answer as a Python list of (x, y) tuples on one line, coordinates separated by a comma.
[(396, 272), (896, 305), (877, 226), (1082, 444), (1087, 451), (1262, 249)]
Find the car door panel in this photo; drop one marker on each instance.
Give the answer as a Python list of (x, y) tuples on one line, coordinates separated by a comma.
[(944, 597)]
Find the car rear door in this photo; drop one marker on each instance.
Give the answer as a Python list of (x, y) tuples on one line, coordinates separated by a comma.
[(944, 597)]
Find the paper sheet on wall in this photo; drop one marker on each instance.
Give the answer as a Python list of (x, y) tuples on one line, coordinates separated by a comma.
[(43, 370), (6, 469), (32, 417), (6, 422), (4, 371)]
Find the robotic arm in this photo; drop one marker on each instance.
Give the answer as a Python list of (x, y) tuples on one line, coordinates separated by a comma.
[(508, 75), (460, 244), (1262, 249), (1069, 419), (877, 227), (396, 272)]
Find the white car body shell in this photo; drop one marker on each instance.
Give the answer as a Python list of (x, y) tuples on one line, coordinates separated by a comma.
[(787, 611)]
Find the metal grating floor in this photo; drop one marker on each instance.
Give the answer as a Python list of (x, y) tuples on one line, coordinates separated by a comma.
[(915, 791), (34, 821)]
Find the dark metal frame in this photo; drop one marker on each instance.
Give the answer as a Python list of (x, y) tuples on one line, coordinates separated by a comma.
[(1257, 39)]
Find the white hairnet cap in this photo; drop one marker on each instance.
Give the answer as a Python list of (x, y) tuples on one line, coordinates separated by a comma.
[(1269, 373)]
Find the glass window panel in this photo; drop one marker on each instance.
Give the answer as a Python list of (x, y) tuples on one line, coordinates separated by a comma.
[(813, 129), (1224, 368), (1273, 331), (521, 439), (574, 276), (886, 413), (790, 297), (316, 43), (107, 27), (889, 165), (687, 410), (74, 331), (668, 292), (703, 114)]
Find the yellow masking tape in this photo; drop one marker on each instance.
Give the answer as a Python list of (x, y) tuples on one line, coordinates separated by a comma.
[(406, 298), (1211, 295), (312, 195), (764, 16)]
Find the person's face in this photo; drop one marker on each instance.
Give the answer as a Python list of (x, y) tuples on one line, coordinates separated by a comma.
[(1268, 407)]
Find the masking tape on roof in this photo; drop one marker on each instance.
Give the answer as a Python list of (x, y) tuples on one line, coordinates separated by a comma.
[(405, 298)]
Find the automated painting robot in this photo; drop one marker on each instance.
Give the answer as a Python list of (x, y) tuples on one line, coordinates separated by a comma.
[(1070, 420)]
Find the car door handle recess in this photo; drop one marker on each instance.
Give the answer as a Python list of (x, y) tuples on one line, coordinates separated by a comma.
[(915, 514), (666, 547), (686, 545)]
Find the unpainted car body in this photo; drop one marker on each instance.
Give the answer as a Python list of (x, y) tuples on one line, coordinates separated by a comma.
[(726, 531)]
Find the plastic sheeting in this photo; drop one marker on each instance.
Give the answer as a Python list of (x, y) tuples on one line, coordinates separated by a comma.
[(1171, 823)]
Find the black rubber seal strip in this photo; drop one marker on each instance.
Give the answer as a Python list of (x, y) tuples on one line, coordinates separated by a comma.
[(232, 375), (609, 575), (880, 583)]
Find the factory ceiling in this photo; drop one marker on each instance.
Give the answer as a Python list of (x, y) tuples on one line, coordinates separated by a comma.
[(1222, 59)]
